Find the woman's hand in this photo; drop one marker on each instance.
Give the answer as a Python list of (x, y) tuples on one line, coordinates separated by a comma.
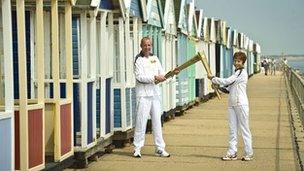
[(210, 77), (176, 71)]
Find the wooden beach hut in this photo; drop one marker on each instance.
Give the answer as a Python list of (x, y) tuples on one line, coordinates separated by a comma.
[(191, 51), (7, 158), (153, 28), (181, 14), (127, 24), (228, 64), (93, 42), (201, 82), (219, 47), (58, 79), (43, 127), (257, 57), (169, 57)]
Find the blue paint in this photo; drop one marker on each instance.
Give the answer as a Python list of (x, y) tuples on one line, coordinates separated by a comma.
[(106, 4), (90, 112), (6, 145), (75, 42), (135, 9), (133, 106), (108, 104), (62, 90), (76, 110), (128, 106), (98, 108), (156, 14), (15, 53), (51, 90), (117, 108)]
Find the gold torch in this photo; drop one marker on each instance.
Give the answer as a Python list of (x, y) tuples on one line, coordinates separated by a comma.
[(199, 57)]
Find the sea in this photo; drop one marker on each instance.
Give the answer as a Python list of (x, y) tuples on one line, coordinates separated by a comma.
[(297, 64)]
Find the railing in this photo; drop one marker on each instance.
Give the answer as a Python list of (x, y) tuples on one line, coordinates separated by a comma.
[(296, 82)]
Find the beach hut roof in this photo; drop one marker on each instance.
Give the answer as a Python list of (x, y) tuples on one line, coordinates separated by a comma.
[(91, 3), (169, 16), (199, 19), (229, 37), (181, 13), (192, 23), (155, 13)]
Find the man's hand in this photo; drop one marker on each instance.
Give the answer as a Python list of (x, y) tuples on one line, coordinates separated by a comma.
[(160, 78)]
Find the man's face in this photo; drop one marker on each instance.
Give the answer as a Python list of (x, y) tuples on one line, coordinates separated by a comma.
[(238, 63), (146, 47)]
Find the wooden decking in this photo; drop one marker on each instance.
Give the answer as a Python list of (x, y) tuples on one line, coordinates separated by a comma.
[(199, 138)]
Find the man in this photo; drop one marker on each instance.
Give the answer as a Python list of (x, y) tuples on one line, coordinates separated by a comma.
[(148, 70)]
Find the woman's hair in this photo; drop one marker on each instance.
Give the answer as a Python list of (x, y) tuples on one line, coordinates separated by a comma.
[(144, 39), (240, 55)]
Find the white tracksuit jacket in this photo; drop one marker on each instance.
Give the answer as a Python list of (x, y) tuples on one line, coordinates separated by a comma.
[(148, 100), (238, 110)]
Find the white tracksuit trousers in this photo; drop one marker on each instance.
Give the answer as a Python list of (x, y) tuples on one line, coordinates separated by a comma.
[(239, 118), (145, 107)]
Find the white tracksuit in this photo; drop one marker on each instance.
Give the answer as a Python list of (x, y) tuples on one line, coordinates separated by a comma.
[(148, 101), (238, 110)]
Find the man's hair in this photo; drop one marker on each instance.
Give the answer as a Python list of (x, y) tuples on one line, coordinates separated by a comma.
[(240, 55), (144, 39)]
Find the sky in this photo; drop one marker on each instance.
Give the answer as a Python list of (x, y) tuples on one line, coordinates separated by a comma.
[(277, 25)]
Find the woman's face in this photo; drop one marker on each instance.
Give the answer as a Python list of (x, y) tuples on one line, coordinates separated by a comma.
[(238, 63)]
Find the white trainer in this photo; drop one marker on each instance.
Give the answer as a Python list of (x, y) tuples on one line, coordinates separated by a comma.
[(137, 154), (229, 157), (247, 157), (162, 153)]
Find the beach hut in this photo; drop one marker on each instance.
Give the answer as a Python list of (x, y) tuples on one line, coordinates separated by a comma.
[(169, 57), (93, 42), (153, 24), (191, 51), (58, 78), (29, 112), (84, 75), (206, 38), (36, 140), (7, 158), (201, 82), (210, 36), (245, 50), (219, 47), (228, 59), (105, 69), (136, 15), (153, 28), (126, 26), (235, 44), (257, 57), (181, 15)]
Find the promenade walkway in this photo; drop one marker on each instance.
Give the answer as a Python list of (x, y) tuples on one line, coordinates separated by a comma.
[(199, 138)]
